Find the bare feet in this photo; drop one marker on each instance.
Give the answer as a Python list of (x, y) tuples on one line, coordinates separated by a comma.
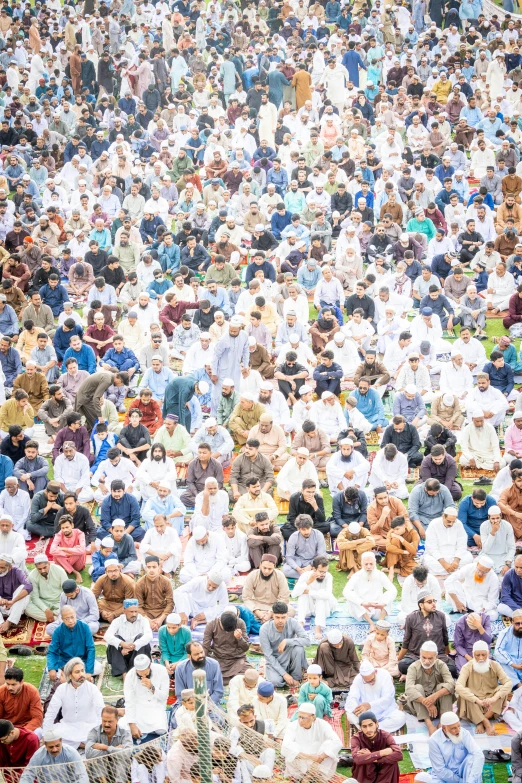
[(318, 633), (490, 729), (480, 728), (5, 626), (78, 577), (431, 727)]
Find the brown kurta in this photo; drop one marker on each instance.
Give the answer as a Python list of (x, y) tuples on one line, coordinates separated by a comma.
[(394, 548), (36, 387), (447, 415), (228, 651), (510, 502), (472, 687), (155, 597), (320, 337), (113, 593), (260, 594), (379, 530), (339, 665), (302, 81), (315, 441), (241, 419), (271, 444), (260, 361), (421, 683), (352, 547)]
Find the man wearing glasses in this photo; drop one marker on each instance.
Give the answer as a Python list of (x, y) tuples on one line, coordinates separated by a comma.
[(426, 624)]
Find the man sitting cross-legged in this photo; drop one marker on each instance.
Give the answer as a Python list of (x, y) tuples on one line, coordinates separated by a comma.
[(375, 753), (47, 580), (226, 641), (373, 689), (314, 593), (482, 689), (369, 593), (303, 547), (264, 587), (154, 593), (425, 624), (127, 636), (15, 590), (72, 638), (429, 687), (162, 541), (283, 643), (111, 590), (474, 587), (20, 701), (454, 754), (68, 548), (203, 598)]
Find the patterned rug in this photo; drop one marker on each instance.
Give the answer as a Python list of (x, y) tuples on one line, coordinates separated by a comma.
[(38, 546), (338, 724), (475, 473), (28, 632)]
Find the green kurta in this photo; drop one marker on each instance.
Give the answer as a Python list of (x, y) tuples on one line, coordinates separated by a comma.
[(172, 646), (179, 441), (46, 592)]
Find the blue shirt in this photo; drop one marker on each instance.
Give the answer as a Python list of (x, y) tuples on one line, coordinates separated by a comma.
[(455, 763), (183, 678), (511, 590), (127, 509), (85, 357), (501, 378), (119, 359), (11, 364), (472, 517), (68, 643), (62, 339), (155, 506), (8, 321), (54, 297)]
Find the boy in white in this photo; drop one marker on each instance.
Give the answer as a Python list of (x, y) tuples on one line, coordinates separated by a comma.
[(446, 547), (303, 407), (359, 330), (498, 541), (236, 546), (314, 593)]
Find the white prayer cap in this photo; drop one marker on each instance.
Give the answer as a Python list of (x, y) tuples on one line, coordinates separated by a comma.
[(216, 577), (164, 485), (259, 227), (450, 511), (248, 396), (476, 412), (305, 389), (314, 668), (6, 516), (448, 400), (293, 338), (228, 382), (203, 387), (155, 358), (334, 636), (236, 320), (429, 647), (448, 719), (456, 351), (492, 510), (41, 558), (173, 619), (422, 777), (252, 341), (517, 415), (118, 523), (199, 532), (262, 772), (141, 662), (404, 237), (326, 394), (52, 735), (308, 708), (339, 338), (485, 561), (480, 646), (205, 336), (346, 442), (266, 386), (366, 669), (304, 451), (210, 422), (354, 528), (112, 560), (410, 389), (108, 542)]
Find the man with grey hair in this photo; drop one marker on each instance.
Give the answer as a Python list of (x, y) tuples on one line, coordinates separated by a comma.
[(203, 598), (80, 703), (12, 542), (429, 686), (473, 311)]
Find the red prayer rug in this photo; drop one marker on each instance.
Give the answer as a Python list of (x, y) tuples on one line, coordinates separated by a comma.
[(28, 632), (38, 546)]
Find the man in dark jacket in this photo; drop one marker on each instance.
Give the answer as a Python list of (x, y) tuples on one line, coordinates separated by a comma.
[(406, 438), (440, 465), (307, 501)]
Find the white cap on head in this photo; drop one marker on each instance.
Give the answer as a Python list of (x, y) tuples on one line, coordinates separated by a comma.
[(210, 422), (305, 389), (339, 338), (252, 341), (449, 719), (480, 646), (354, 528), (410, 389), (293, 338), (485, 561), (261, 772), (173, 619), (314, 668), (266, 386), (52, 734), (118, 523), (334, 636), (366, 669), (228, 382), (141, 662), (491, 510), (448, 400), (450, 511), (216, 577), (308, 708), (41, 558), (304, 451), (326, 395), (236, 320), (165, 485), (199, 532), (107, 542), (429, 647)]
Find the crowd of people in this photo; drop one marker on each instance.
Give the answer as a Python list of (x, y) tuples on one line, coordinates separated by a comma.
[(252, 256)]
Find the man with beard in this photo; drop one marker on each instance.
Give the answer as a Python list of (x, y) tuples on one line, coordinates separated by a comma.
[(346, 468), (265, 587), (429, 687), (369, 404), (230, 355), (47, 580), (285, 661), (482, 689), (337, 657), (375, 753), (369, 593), (15, 589), (197, 660), (226, 402), (111, 590), (373, 689), (253, 501), (226, 641), (78, 688), (127, 636), (454, 754), (425, 624), (474, 586), (508, 649), (264, 538), (203, 598)]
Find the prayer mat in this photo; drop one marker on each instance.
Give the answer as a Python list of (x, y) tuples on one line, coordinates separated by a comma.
[(475, 473), (111, 687), (502, 314), (38, 634), (413, 475), (21, 633), (372, 438), (282, 505), (38, 546), (448, 334), (182, 471)]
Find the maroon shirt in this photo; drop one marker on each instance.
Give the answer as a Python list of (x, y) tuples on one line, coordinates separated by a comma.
[(19, 752)]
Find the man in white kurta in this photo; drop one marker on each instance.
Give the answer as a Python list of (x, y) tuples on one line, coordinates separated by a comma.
[(346, 468), (236, 546), (446, 544), (488, 399), (373, 689), (203, 598), (455, 376), (11, 542), (314, 593), (310, 740), (162, 541), (267, 115), (210, 507), (474, 586), (345, 354), (152, 471), (205, 551), (369, 593), (327, 414), (71, 471), (16, 503), (114, 467), (80, 702), (472, 350), (501, 286), (296, 470), (390, 470), (479, 444), (146, 690), (419, 580)]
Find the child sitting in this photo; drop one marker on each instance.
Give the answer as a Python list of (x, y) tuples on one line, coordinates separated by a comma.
[(380, 650), (186, 713), (316, 691), (100, 557)]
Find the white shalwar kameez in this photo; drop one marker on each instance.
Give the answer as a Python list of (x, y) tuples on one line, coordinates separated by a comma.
[(318, 600), (473, 352), (124, 471), (345, 355), (19, 509), (217, 509), (491, 401), (445, 543), (240, 694), (291, 476), (513, 711), (193, 598), (236, 552), (328, 417), (336, 468), (410, 594), (503, 287), (203, 558), (81, 711), (456, 380), (394, 471), (150, 471), (143, 706), (162, 543), (477, 596), (373, 586), (13, 544), (480, 444), (319, 738), (381, 698)]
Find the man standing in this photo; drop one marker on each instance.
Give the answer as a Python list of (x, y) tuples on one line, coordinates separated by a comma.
[(230, 355), (91, 391)]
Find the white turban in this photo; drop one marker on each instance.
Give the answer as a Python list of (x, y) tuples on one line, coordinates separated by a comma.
[(480, 646), (449, 719)]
